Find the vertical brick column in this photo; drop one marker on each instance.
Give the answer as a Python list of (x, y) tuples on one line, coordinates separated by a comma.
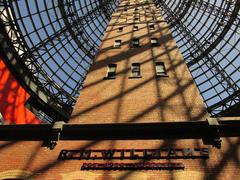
[(171, 96)]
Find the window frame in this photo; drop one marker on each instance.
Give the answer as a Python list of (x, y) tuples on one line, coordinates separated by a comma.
[(158, 73), (135, 45), (136, 17), (156, 43), (135, 28), (120, 29), (116, 45), (152, 27), (135, 70), (111, 73)]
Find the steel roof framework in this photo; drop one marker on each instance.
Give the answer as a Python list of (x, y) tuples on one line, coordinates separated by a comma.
[(207, 33), (55, 41)]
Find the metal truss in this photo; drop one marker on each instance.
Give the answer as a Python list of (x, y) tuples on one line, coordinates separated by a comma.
[(207, 33), (55, 41)]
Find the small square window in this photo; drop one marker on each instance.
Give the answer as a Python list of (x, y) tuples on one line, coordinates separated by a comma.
[(135, 28), (120, 29), (152, 27), (135, 70), (135, 42), (117, 43), (154, 42), (160, 69), (136, 19), (111, 73)]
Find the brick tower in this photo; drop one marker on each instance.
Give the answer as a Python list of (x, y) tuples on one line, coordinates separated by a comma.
[(138, 76)]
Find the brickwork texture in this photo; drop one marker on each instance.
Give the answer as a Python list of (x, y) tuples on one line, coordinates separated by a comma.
[(127, 99)]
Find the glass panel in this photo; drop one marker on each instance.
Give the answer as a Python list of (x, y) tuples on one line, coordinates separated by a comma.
[(154, 41), (160, 69), (135, 69), (135, 28), (117, 43), (135, 42), (152, 27), (112, 68), (120, 29)]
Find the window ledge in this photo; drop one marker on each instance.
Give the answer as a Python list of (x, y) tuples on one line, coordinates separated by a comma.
[(134, 46), (116, 47), (164, 75), (105, 78), (155, 45), (134, 77)]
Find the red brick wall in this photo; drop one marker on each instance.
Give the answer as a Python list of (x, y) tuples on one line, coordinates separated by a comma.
[(41, 163), (147, 99)]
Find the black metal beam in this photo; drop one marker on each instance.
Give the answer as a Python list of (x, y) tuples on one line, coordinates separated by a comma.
[(226, 127)]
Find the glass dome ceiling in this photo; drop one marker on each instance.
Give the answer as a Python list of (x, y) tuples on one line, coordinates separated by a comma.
[(51, 44)]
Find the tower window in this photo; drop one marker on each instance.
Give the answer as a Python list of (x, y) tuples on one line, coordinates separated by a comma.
[(136, 72), (135, 28), (154, 42), (135, 42), (152, 27), (136, 19), (120, 29), (111, 74), (117, 43), (160, 69)]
